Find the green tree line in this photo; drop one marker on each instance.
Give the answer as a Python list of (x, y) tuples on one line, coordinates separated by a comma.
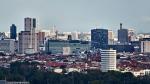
[(29, 72)]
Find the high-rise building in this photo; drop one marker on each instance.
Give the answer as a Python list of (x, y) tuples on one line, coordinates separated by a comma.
[(29, 24), (99, 38), (108, 60), (25, 42), (28, 41), (13, 31), (123, 35)]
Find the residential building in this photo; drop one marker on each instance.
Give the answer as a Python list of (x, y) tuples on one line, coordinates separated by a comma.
[(108, 60)]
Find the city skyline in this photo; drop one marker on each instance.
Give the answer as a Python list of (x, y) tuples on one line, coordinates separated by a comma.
[(69, 15)]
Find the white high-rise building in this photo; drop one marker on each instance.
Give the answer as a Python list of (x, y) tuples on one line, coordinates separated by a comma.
[(108, 60)]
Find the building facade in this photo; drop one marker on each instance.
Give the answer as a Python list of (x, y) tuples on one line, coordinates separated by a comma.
[(29, 24), (13, 31), (123, 35), (25, 42), (145, 45), (65, 46), (108, 60), (99, 38), (7, 46)]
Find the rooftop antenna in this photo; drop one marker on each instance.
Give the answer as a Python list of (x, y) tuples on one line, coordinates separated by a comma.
[(120, 25)]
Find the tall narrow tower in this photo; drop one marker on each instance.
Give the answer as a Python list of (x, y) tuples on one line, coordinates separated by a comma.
[(13, 31)]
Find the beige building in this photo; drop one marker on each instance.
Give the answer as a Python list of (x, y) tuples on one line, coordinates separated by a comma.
[(145, 46)]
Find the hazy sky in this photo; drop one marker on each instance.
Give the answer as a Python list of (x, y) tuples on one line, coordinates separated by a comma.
[(77, 15)]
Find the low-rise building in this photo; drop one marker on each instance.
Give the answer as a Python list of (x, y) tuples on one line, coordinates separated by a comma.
[(7, 46), (73, 46)]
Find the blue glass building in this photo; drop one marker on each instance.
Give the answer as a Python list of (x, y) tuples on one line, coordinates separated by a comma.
[(13, 31), (99, 38)]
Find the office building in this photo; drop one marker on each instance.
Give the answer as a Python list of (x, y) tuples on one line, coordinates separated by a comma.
[(123, 35), (13, 32), (7, 46), (66, 46), (108, 60), (25, 42), (99, 38)]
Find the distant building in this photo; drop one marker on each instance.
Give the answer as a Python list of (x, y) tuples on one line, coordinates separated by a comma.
[(110, 37), (7, 46), (145, 45), (123, 35), (41, 38), (85, 36), (75, 35), (29, 24), (122, 47), (25, 42), (99, 38), (12, 82), (65, 46), (28, 40), (2, 35), (13, 32), (108, 60)]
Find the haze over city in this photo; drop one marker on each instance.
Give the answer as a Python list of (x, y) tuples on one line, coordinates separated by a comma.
[(76, 15)]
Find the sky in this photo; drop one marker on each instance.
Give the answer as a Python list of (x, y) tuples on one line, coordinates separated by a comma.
[(76, 15)]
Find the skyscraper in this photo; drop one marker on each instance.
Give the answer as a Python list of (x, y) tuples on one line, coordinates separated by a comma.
[(108, 60), (13, 31), (28, 40), (29, 23), (123, 35), (99, 38)]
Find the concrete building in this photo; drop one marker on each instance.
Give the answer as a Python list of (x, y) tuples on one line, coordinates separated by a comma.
[(7, 46), (108, 60), (28, 41), (65, 46), (145, 45), (99, 38), (25, 42), (110, 37), (41, 38), (29, 24)]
